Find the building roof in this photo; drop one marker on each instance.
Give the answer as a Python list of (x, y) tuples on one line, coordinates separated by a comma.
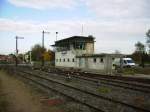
[(74, 39)]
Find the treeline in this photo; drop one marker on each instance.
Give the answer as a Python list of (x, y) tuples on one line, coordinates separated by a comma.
[(38, 53), (141, 56)]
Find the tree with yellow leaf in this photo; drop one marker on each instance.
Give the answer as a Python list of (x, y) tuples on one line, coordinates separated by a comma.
[(49, 55)]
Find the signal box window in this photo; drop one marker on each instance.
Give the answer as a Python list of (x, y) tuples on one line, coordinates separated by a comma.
[(101, 60), (94, 60)]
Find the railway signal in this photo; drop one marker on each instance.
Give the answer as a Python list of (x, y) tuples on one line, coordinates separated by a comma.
[(56, 35), (17, 37), (43, 32)]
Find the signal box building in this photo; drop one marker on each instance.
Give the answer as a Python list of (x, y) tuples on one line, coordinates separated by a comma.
[(78, 52)]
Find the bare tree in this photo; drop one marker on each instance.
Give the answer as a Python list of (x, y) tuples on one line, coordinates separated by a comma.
[(148, 39), (140, 47), (37, 52)]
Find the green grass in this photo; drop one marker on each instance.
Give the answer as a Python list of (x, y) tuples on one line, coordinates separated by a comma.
[(104, 90), (129, 71)]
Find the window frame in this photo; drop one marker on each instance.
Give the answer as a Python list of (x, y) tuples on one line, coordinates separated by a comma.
[(101, 60), (94, 60)]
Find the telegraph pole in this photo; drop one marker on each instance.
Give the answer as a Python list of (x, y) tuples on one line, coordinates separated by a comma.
[(56, 35), (30, 57), (43, 32), (17, 49), (82, 30)]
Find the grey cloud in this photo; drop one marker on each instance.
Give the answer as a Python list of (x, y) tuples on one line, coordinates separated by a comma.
[(110, 33), (120, 8)]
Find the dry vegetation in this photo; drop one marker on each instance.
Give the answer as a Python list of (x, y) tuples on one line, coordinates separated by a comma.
[(15, 96), (137, 70)]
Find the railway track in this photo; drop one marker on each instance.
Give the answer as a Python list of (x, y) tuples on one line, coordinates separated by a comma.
[(94, 75), (137, 86), (68, 96), (101, 103)]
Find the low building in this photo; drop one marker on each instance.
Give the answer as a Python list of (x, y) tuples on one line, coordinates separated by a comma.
[(101, 62), (78, 52), (3, 58), (6, 59)]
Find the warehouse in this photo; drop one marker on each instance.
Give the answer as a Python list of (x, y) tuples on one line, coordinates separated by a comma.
[(78, 52)]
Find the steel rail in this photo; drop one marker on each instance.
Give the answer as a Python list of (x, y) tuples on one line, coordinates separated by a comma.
[(115, 83), (102, 97)]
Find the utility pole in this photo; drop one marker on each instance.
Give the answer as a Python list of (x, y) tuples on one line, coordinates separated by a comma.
[(82, 30), (17, 49), (43, 32), (30, 57), (56, 35)]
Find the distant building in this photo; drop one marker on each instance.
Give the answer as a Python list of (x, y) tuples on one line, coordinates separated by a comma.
[(78, 52), (3, 58), (6, 59)]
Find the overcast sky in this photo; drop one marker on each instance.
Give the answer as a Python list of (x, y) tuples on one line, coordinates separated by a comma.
[(115, 24)]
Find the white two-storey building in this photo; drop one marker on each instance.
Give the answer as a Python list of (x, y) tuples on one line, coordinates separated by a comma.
[(78, 52)]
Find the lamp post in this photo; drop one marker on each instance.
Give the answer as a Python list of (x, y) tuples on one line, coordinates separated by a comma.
[(43, 32), (17, 48)]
